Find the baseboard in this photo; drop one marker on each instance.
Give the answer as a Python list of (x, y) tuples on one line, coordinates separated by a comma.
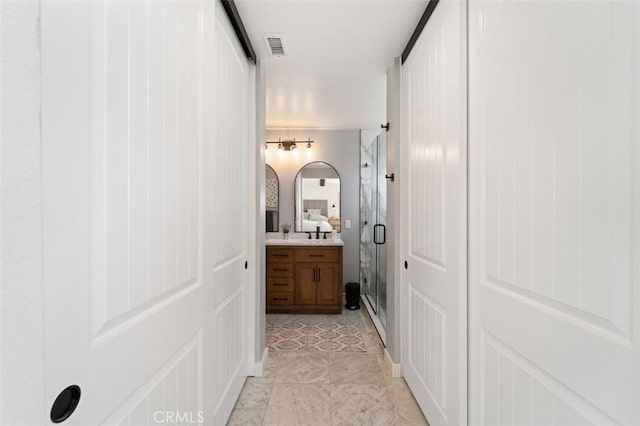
[(394, 368), (258, 368)]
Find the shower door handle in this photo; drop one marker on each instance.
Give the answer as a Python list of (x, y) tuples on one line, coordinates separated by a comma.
[(375, 234)]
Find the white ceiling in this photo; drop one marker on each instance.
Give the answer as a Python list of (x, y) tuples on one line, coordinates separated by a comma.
[(334, 75)]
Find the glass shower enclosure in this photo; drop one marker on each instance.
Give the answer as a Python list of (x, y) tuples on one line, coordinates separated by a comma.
[(373, 215)]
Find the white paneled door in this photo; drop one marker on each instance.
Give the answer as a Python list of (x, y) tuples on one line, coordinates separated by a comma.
[(145, 116), (554, 91), (434, 350), (227, 170)]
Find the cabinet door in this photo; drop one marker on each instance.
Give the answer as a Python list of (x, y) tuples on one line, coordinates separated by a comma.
[(305, 288), (328, 284)]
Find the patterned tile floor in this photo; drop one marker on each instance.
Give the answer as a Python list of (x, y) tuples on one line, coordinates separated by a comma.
[(327, 336), (327, 388)]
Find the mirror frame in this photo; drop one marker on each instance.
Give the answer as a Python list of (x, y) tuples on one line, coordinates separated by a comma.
[(267, 166), (295, 203)]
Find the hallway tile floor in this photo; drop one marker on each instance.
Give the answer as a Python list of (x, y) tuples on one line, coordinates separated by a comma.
[(327, 388)]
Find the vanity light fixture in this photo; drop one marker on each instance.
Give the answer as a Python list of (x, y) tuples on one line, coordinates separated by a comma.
[(309, 152), (290, 145)]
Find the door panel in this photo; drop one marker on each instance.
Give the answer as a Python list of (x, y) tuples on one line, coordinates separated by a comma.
[(434, 208), (554, 200), (227, 166), (328, 276), (305, 287), (143, 309)]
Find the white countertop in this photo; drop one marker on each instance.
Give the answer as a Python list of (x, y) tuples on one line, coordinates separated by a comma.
[(303, 242)]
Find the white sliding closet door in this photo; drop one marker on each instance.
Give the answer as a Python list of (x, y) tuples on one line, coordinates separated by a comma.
[(226, 167), (434, 354), (144, 133), (555, 212)]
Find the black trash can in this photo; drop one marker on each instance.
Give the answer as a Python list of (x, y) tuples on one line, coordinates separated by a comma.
[(352, 292)]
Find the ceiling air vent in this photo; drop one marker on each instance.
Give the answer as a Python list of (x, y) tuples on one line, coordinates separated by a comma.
[(275, 44)]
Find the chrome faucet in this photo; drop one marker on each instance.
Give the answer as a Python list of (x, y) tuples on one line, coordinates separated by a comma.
[(317, 232)]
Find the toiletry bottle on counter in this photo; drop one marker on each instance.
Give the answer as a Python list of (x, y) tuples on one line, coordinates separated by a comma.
[(334, 235)]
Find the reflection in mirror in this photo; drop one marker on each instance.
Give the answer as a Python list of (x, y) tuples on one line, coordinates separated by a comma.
[(317, 195), (272, 199)]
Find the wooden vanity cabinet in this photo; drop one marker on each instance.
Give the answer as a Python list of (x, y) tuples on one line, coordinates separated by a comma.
[(304, 279)]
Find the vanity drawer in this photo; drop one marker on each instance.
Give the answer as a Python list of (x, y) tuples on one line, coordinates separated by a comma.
[(280, 269), (317, 254), (280, 299), (279, 284), (279, 254)]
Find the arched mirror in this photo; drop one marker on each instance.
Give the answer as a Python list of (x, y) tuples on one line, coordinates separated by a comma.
[(272, 199), (317, 198)]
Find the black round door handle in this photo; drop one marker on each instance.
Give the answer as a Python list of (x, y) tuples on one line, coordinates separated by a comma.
[(406, 265), (246, 264), (65, 404)]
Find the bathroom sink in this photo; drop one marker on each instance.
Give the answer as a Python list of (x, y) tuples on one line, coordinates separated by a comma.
[(303, 242)]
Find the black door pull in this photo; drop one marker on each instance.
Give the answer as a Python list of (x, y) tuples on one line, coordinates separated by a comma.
[(375, 234), (65, 404)]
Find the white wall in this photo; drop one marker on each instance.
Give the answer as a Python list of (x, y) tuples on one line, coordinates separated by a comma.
[(21, 283), (341, 149)]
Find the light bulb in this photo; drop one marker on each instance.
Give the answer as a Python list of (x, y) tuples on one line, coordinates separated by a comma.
[(309, 150)]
